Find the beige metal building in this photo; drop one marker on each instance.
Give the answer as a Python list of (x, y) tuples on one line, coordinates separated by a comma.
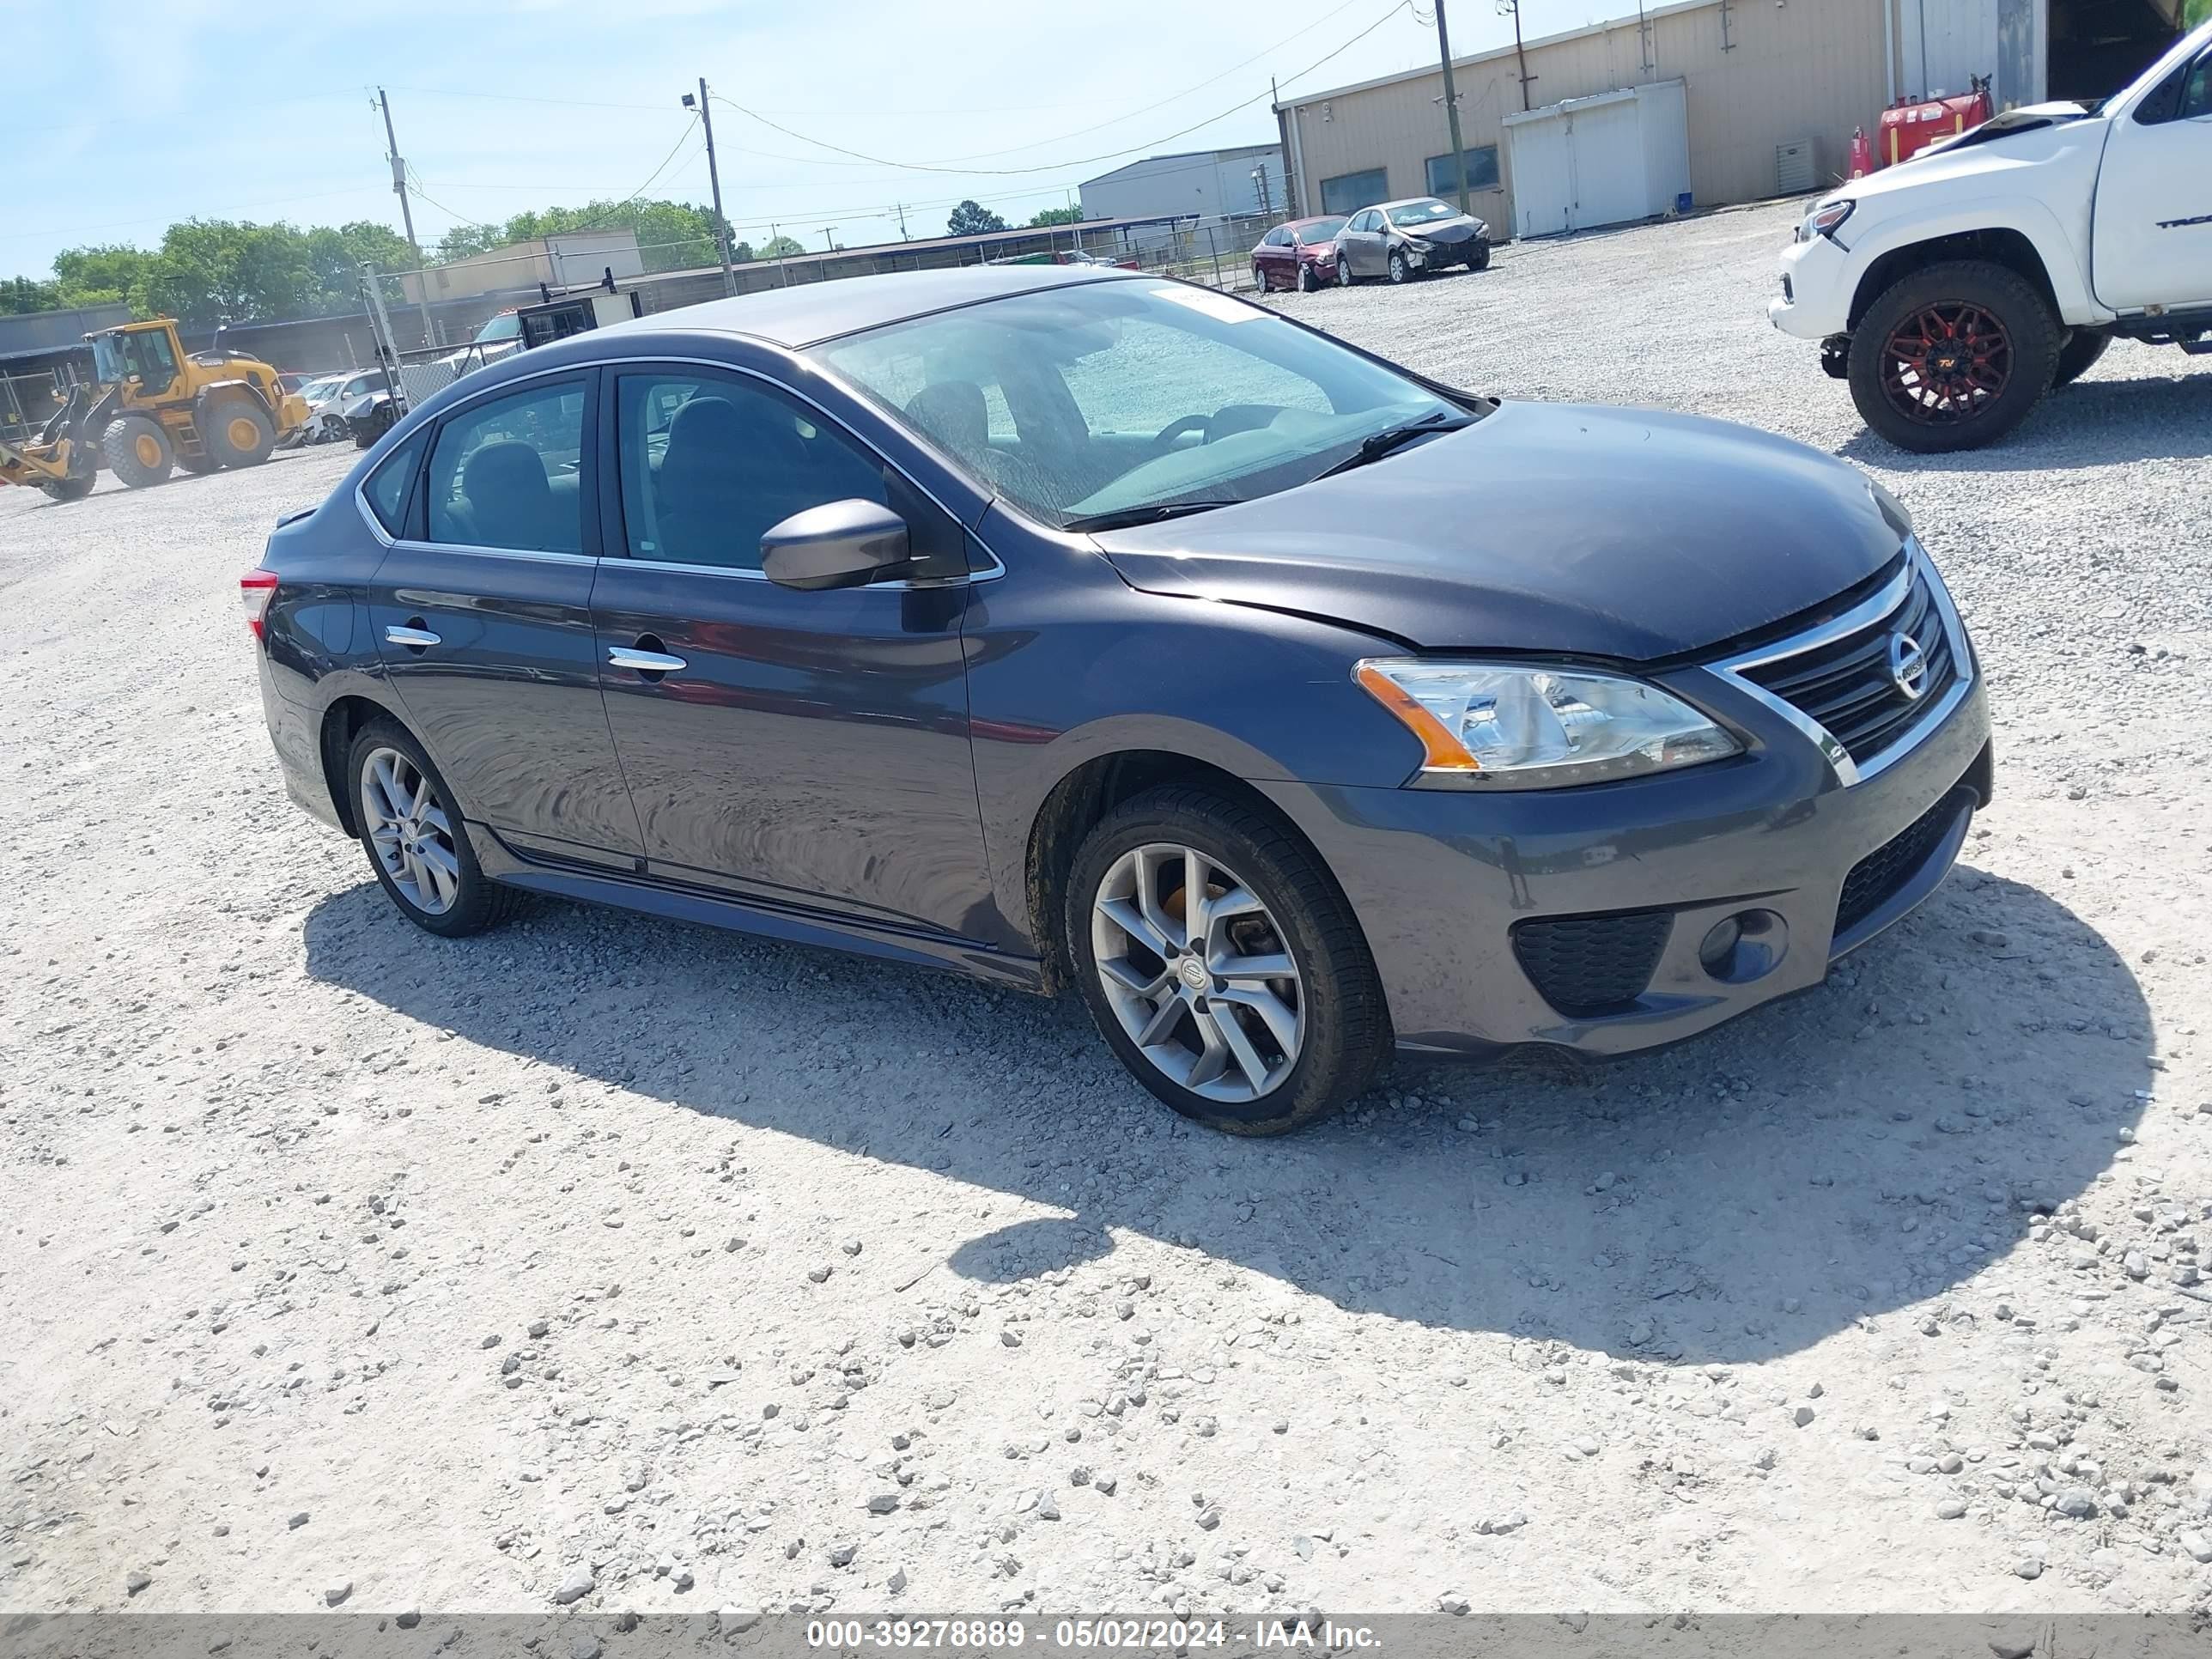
[(1772, 91)]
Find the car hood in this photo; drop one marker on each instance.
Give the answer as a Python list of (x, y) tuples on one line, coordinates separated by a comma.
[(1446, 232), (1626, 533)]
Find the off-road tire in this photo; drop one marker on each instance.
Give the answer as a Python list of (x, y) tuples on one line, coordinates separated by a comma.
[(222, 429), (2034, 333), (2080, 354), (481, 902), (1347, 1022), (69, 489), (120, 443), (199, 465)]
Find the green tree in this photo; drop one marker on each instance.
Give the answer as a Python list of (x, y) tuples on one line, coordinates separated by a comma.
[(742, 253), (93, 275), (2198, 12), (670, 235), (20, 295), (781, 247), (1059, 215), (972, 218), (337, 256)]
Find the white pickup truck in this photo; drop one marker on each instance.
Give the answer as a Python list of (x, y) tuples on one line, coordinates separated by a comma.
[(1954, 290)]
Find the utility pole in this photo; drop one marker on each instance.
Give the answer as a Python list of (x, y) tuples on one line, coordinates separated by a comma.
[(900, 207), (714, 180), (829, 239), (1451, 100), (1512, 9), (406, 215)]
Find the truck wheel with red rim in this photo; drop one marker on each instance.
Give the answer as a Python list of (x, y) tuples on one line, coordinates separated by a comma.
[(1953, 356)]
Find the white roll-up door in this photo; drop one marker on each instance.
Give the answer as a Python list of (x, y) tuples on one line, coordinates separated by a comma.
[(1603, 161)]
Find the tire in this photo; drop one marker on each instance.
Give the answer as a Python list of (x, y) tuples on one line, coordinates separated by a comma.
[(1309, 281), (1259, 279), (423, 861), (199, 465), (2080, 354), (137, 451), (70, 490), (1344, 276), (1331, 1004), (1401, 272), (236, 432), (1479, 260), (1952, 397)]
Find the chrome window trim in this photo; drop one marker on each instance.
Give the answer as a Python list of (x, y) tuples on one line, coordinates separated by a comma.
[(1892, 597), (996, 568)]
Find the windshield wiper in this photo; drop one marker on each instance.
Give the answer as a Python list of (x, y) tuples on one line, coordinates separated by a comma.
[(1123, 517), (1376, 446)]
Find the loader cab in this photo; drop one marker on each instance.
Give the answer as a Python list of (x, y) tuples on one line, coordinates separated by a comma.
[(148, 356)]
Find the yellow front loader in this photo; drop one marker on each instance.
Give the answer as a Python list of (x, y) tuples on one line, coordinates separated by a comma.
[(156, 408)]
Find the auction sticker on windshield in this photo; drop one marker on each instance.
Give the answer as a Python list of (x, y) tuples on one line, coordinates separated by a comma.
[(1205, 300)]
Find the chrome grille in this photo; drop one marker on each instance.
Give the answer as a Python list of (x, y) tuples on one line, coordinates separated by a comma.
[(1838, 681)]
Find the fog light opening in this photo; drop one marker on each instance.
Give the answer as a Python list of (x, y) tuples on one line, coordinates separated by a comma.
[(1747, 945)]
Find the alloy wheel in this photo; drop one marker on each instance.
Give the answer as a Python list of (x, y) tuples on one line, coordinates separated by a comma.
[(1197, 972), (410, 834), (1945, 362)]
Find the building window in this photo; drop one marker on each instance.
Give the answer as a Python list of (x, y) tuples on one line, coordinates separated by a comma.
[(1482, 171), (1349, 191)]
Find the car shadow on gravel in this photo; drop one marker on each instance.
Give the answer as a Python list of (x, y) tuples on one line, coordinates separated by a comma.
[(1867, 1146), (2093, 423)]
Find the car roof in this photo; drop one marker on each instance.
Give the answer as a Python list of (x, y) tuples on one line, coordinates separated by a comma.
[(1410, 201), (1315, 219), (810, 311)]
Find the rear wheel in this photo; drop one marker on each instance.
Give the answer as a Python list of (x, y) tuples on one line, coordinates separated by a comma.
[(2080, 354), (1260, 277), (411, 827), (237, 433), (137, 451), (1221, 963), (1953, 356)]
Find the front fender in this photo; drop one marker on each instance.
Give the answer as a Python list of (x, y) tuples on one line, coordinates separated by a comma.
[(2061, 248)]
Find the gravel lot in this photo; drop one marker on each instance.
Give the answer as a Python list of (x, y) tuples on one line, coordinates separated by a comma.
[(671, 1269)]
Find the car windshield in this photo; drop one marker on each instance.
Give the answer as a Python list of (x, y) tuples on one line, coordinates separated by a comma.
[(507, 327), (1422, 213), (1108, 398), (321, 388), (1321, 230)]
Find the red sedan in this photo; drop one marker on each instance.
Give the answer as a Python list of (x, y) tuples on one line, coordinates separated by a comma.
[(1301, 254)]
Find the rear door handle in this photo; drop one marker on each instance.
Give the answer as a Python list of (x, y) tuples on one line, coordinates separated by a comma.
[(414, 638), (646, 662)]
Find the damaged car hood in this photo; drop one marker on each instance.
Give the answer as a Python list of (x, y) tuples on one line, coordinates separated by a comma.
[(1626, 533)]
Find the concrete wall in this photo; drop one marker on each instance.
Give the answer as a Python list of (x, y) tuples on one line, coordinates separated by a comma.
[(1210, 183), (1757, 75)]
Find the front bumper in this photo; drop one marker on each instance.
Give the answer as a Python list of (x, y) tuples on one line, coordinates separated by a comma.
[(1440, 879), (1816, 300)]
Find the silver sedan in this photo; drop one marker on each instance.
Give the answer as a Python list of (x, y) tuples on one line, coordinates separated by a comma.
[(1402, 239)]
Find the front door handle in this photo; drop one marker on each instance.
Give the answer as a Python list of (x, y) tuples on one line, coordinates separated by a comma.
[(413, 636), (646, 662)]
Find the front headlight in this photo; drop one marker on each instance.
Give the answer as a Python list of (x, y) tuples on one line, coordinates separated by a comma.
[(1510, 727)]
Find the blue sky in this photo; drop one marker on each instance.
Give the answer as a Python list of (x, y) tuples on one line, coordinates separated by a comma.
[(144, 113)]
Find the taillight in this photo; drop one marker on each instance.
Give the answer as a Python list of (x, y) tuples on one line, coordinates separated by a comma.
[(257, 588)]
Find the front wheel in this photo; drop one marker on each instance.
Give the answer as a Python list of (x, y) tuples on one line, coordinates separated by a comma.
[(408, 821), (1479, 260), (1222, 964), (1400, 272), (70, 489), (1953, 356), (137, 451), (2080, 354), (1308, 280)]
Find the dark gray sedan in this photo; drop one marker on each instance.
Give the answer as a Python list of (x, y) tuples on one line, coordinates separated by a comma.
[(1069, 627), (1401, 241)]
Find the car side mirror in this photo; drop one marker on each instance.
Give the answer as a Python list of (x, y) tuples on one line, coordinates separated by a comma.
[(847, 544)]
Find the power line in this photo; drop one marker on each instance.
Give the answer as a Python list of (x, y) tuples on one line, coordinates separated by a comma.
[(1077, 162)]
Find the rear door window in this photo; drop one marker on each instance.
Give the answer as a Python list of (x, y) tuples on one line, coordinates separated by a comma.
[(507, 472), (388, 486)]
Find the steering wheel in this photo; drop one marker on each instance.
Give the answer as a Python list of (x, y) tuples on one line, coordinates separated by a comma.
[(1175, 428)]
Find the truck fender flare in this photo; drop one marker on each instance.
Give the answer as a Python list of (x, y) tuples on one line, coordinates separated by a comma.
[(2062, 262)]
